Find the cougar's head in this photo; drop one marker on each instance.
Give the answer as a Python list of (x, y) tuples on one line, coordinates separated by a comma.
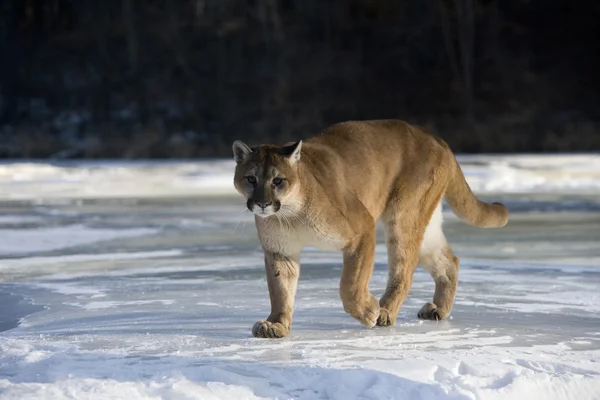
[(266, 175)]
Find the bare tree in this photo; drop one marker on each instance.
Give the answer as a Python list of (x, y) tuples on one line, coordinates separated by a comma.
[(10, 52), (132, 45), (465, 26)]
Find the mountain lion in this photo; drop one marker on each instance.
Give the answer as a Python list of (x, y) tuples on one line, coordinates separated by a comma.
[(330, 190)]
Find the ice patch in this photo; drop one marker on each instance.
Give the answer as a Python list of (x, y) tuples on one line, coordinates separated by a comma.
[(101, 305), (71, 289), (77, 264), (26, 241), (12, 263), (19, 219)]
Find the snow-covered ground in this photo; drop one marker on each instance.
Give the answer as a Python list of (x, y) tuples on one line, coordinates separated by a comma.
[(142, 280), (117, 179)]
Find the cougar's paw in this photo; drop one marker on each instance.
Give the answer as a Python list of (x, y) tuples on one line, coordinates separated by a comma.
[(366, 311), (370, 313), (385, 318), (432, 312), (271, 330)]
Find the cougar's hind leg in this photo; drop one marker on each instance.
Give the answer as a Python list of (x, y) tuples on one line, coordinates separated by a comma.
[(437, 258)]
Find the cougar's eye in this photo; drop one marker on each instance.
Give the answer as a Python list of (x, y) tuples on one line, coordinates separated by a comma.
[(277, 181), (251, 179)]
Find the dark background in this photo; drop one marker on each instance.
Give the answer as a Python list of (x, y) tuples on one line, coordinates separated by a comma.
[(167, 78)]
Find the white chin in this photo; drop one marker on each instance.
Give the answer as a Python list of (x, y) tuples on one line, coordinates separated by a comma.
[(267, 212)]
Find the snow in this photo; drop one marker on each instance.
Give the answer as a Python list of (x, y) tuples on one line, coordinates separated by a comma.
[(141, 179), (142, 280)]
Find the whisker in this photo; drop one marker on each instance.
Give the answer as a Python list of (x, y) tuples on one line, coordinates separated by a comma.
[(286, 222), (285, 218), (280, 218)]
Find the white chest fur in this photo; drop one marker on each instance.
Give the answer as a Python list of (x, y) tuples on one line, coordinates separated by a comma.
[(291, 236)]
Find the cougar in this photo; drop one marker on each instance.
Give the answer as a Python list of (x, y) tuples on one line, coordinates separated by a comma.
[(330, 190)]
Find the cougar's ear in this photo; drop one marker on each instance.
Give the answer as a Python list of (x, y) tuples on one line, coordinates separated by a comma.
[(240, 151), (293, 152)]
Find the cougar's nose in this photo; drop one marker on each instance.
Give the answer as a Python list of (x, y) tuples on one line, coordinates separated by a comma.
[(263, 205)]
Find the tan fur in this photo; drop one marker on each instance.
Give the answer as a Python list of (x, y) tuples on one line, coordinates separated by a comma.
[(333, 189)]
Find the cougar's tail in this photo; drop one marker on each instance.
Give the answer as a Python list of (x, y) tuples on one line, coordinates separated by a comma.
[(469, 208)]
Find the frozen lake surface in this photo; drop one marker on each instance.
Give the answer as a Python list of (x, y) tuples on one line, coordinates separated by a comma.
[(143, 280)]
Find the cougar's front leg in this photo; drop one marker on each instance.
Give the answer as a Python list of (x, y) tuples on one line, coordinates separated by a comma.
[(282, 272)]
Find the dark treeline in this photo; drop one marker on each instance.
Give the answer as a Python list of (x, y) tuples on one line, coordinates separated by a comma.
[(167, 78)]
